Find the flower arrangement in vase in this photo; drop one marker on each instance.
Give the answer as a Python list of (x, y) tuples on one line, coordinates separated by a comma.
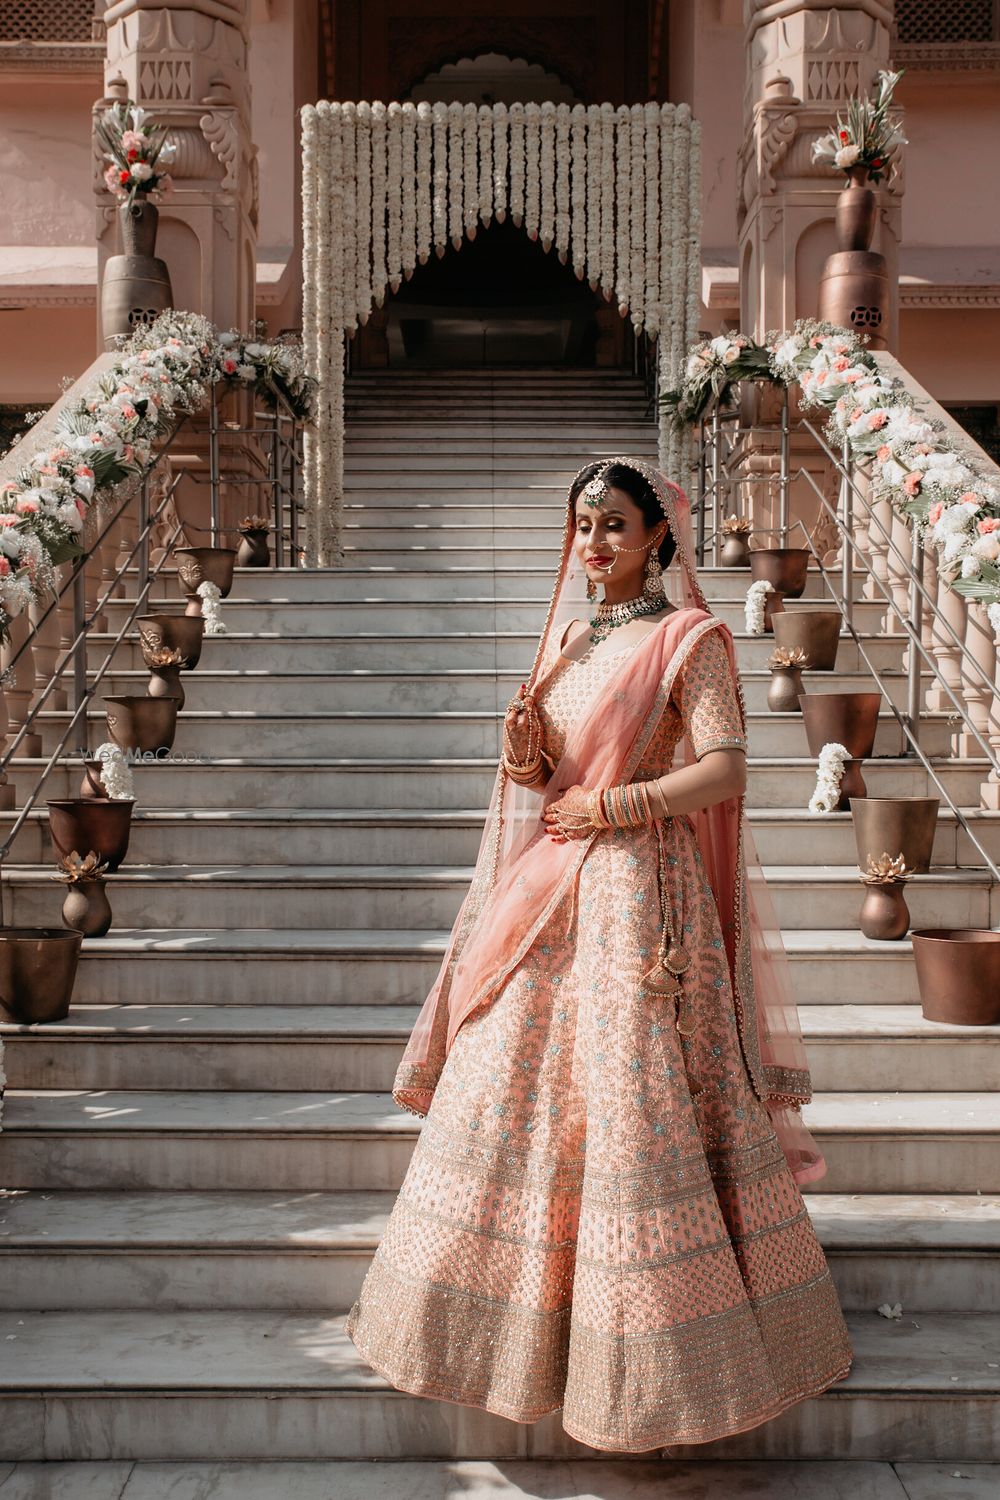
[(86, 908), (736, 547), (867, 139), (884, 914), (136, 151)]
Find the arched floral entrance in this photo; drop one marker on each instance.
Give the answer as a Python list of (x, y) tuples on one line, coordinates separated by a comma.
[(615, 192)]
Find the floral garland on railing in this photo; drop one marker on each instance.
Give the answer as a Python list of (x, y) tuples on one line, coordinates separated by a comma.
[(107, 437), (913, 462)]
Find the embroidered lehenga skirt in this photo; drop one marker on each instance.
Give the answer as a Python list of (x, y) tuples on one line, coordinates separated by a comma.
[(597, 1216)]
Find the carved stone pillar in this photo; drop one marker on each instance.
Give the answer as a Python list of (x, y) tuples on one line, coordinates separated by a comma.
[(187, 65)]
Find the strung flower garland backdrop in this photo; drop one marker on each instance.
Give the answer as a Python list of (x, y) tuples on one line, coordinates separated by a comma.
[(617, 193)]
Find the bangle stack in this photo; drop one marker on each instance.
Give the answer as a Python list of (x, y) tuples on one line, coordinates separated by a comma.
[(625, 806), (531, 769)]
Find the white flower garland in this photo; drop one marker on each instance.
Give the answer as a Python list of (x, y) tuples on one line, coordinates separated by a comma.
[(637, 220), (211, 595), (563, 162), (425, 132), (485, 164), (349, 228), (501, 147), (623, 216), (470, 135), (755, 605), (547, 175), (394, 191), (517, 163), (379, 273), (578, 222), (408, 224), (532, 169), (651, 257), (609, 128), (439, 204), (116, 773), (829, 775), (456, 169), (363, 229)]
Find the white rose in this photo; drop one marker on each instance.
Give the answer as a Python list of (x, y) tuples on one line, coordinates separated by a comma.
[(70, 516), (84, 485), (140, 171), (970, 566), (10, 542), (893, 472), (956, 546), (847, 156), (988, 547)]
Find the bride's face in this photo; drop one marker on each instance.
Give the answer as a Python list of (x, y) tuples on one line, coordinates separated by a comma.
[(600, 530)]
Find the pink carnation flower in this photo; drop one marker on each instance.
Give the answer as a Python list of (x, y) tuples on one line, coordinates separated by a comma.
[(84, 471), (969, 498), (934, 514), (28, 507), (4, 567), (841, 363), (884, 453), (229, 365), (876, 420), (856, 413), (911, 484), (991, 523)]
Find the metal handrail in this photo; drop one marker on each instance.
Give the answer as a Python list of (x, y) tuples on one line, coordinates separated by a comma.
[(285, 452)]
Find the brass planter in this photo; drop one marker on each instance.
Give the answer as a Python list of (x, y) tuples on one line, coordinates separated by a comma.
[(87, 909), (785, 689), (165, 682), (142, 724), (816, 631), (735, 551), (37, 973), (183, 633), (136, 284), (884, 914), (854, 285), (785, 567), (958, 971), (253, 551), (198, 565), (101, 824), (896, 825), (848, 719)]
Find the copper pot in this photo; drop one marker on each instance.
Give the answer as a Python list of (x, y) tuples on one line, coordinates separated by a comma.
[(735, 551), (91, 785), (904, 825), (183, 633), (165, 682), (785, 567), (87, 909), (37, 972), (198, 565), (253, 551), (816, 631), (143, 724), (854, 285), (848, 719), (135, 285), (84, 823), (958, 971), (884, 914), (785, 690)]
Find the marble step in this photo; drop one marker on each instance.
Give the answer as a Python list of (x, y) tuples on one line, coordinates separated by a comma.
[(277, 967), (184, 780), (374, 690), (312, 1141), (217, 1250), (92, 1386), (429, 896), (474, 1479), (183, 835), (466, 734), (439, 646), (861, 1048)]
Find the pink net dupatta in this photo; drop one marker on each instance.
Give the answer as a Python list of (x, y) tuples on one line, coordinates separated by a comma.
[(521, 875)]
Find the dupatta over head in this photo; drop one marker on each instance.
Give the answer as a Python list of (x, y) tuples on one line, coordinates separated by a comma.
[(522, 875)]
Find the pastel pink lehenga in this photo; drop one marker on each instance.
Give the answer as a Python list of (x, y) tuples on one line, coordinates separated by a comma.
[(602, 1213)]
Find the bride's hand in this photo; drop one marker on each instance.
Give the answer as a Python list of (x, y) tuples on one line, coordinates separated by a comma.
[(569, 817), (516, 725)]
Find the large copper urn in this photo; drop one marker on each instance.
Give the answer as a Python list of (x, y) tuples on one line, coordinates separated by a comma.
[(854, 286), (136, 285)]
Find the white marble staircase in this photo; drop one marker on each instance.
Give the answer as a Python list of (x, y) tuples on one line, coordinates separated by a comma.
[(197, 1165)]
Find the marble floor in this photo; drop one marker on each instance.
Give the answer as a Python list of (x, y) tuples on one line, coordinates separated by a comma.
[(585, 1480)]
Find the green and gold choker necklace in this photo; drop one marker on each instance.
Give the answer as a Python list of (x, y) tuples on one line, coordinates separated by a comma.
[(610, 616)]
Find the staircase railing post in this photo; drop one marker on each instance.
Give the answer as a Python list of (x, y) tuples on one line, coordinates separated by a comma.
[(847, 549), (783, 477), (914, 658), (80, 639), (213, 462), (142, 558)]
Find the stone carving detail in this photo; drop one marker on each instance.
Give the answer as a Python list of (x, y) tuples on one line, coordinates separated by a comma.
[(165, 78), (833, 79), (221, 130), (775, 134)]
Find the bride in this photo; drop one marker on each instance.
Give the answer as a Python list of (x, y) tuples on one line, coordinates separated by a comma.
[(602, 1213)]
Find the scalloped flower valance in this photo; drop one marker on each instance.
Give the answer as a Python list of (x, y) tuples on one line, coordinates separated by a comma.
[(615, 192)]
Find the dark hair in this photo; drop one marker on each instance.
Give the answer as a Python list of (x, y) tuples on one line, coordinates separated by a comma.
[(639, 489)]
